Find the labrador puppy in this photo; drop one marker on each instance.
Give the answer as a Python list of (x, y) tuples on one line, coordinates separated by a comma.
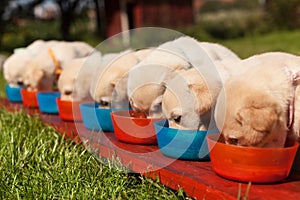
[(16, 64), (44, 69), (146, 80), (109, 86), (74, 81), (255, 108), (190, 96)]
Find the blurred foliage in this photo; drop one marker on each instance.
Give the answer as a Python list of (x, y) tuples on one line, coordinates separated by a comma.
[(17, 36), (239, 18), (214, 6), (234, 23), (284, 14)]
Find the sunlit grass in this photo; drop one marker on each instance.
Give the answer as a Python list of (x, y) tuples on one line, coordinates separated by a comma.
[(38, 163)]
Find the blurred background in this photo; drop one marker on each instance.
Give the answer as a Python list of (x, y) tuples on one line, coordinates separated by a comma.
[(245, 26)]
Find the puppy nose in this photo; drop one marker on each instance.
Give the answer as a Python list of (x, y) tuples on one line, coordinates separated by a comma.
[(104, 103), (20, 83), (68, 92)]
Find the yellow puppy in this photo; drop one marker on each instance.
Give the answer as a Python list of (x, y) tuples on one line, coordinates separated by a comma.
[(44, 68), (109, 86), (145, 83), (253, 107), (74, 81)]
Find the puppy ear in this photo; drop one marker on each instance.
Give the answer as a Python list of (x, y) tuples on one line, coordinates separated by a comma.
[(259, 118), (203, 96)]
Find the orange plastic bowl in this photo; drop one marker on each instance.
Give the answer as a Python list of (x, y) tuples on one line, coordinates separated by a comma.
[(245, 164), (69, 110), (29, 98), (133, 129)]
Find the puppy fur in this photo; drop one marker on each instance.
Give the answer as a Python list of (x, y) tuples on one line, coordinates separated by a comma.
[(16, 64), (144, 86), (74, 81), (190, 96), (146, 80), (109, 87), (251, 109), (40, 73)]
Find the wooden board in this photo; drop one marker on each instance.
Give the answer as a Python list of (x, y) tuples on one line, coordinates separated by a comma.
[(196, 177)]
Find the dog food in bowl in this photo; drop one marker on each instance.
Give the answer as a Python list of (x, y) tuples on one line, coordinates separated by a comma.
[(13, 93), (245, 164), (182, 144), (134, 128), (47, 102), (29, 98)]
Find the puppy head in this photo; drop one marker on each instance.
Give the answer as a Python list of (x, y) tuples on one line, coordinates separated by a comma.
[(111, 90), (187, 101), (249, 117), (32, 77), (71, 82), (111, 83), (181, 113), (14, 67), (147, 99), (66, 86)]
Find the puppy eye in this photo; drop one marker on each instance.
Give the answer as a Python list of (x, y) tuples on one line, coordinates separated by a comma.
[(233, 141), (177, 119), (239, 122)]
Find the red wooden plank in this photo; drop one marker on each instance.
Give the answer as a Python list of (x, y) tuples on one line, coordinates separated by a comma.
[(196, 178)]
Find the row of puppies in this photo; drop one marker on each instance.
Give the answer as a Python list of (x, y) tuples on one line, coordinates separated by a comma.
[(184, 79), (144, 78), (39, 64), (253, 101)]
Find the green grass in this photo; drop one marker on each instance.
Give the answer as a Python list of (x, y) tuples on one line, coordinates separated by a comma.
[(286, 41), (38, 163)]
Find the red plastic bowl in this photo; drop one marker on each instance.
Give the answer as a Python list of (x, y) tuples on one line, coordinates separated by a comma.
[(245, 164), (29, 98), (132, 129), (69, 110)]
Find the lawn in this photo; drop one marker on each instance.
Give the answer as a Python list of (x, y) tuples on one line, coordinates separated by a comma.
[(38, 163)]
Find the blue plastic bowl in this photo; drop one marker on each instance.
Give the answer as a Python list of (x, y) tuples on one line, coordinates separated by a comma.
[(182, 144), (47, 102), (13, 93), (95, 118)]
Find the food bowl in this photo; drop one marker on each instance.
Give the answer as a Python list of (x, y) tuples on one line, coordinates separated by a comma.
[(69, 110), (245, 164), (182, 144), (13, 93), (47, 102), (95, 118), (132, 129), (29, 98)]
